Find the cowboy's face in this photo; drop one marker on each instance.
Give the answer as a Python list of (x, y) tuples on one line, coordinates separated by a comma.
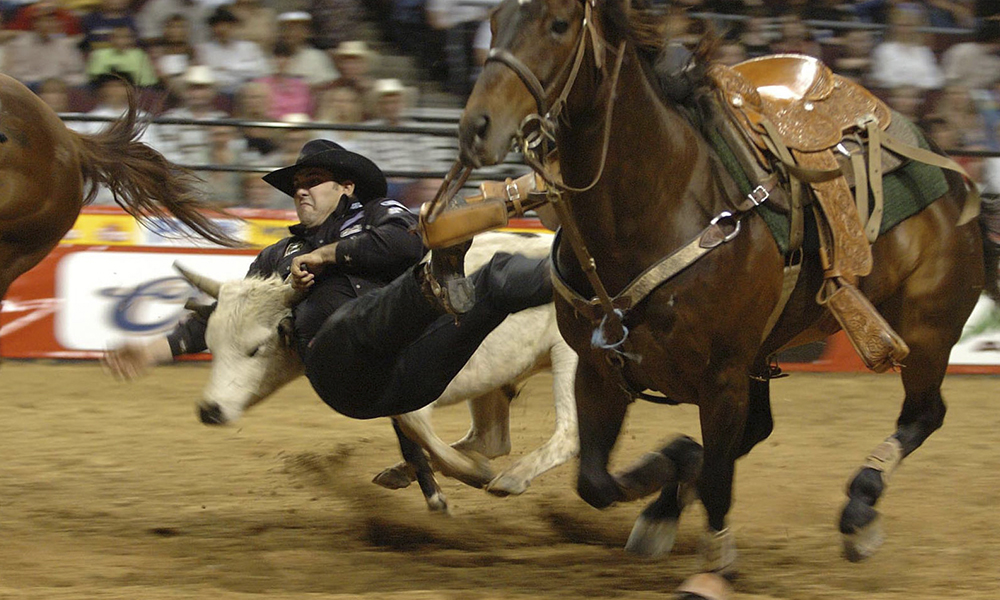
[(317, 194)]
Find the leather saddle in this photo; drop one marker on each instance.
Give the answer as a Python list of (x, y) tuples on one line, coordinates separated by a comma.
[(794, 116)]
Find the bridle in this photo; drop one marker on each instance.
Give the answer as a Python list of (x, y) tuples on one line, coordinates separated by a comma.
[(536, 137), (537, 133)]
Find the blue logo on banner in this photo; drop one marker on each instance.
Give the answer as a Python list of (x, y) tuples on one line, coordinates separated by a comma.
[(128, 310)]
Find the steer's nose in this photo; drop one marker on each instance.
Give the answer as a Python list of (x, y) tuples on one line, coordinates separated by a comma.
[(210, 414)]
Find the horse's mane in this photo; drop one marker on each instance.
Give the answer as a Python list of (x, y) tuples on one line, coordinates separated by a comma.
[(677, 72)]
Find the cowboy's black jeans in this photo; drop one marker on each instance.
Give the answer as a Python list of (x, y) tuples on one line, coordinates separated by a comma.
[(391, 352)]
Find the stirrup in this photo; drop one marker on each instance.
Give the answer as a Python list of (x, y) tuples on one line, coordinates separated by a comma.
[(443, 281)]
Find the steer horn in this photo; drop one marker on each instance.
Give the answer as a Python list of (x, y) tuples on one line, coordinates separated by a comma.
[(209, 286)]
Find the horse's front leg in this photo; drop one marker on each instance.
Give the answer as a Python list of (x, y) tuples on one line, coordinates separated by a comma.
[(723, 411), (601, 409)]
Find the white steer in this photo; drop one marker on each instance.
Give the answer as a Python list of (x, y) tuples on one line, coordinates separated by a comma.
[(251, 359)]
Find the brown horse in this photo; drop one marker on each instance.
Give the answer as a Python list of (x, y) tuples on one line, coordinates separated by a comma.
[(646, 185), (48, 173)]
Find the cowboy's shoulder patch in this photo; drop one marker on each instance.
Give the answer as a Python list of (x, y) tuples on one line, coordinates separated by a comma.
[(292, 248), (353, 230)]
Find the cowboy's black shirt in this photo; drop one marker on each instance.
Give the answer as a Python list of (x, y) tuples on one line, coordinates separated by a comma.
[(376, 242)]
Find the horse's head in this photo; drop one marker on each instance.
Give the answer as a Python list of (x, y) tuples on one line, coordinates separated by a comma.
[(249, 336), (536, 44)]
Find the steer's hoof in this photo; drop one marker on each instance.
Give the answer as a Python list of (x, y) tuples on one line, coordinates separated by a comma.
[(395, 478), (475, 471), (704, 586)]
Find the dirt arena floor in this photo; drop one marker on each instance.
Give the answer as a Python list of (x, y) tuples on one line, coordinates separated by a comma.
[(113, 490)]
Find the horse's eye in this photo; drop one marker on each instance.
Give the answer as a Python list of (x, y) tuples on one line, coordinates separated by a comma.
[(560, 26)]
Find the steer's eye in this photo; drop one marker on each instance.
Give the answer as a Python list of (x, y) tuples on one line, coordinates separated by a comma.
[(253, 352), (559, 26)]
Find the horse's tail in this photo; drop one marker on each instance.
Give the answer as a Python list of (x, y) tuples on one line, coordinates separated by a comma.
[(143, 182)]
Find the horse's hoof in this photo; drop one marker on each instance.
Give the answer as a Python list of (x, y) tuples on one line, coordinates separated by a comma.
[(704, 586), (652, 537), (507, 485), (864, 541), (861, 530), (393, 478), (476, 472), (598, 489), (438, 504)]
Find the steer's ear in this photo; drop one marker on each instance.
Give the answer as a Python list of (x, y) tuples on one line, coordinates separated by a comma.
[(286, 331), (205, 284)]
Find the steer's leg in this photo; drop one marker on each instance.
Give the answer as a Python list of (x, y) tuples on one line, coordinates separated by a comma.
[(415, 457), (564, 443)]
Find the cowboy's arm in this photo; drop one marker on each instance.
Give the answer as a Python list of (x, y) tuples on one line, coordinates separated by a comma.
[(133, 359)]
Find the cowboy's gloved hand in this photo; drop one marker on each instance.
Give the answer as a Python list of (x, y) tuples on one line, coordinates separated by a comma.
[(305, 267)]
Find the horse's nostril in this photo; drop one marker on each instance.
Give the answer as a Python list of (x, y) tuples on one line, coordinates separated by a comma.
[(210, 414)]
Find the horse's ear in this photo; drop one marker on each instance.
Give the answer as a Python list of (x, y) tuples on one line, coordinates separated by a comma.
[(205, 284)]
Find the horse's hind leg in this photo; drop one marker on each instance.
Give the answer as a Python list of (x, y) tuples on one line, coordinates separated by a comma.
[(930, 336)]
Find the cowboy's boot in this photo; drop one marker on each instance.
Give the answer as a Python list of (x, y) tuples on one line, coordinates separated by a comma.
[(443, 281)]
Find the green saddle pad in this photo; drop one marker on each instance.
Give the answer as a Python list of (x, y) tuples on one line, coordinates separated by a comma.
[(906, 191)]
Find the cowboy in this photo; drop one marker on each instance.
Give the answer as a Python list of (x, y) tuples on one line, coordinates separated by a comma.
[(378, 332)]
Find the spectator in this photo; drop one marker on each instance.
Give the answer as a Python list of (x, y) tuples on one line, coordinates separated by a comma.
[(98, 25), (730, 53), (956, 106), (458, 24), (293, 138), (908, 100), (796, 38), (975, 64), (234, 62), (122, 56), (951, 13), (255, 23), (66, 21), (173, 53), (55, 93), (257, 193), (190, 144), (153, 16), (44, 52), (353, 61), (308, 62), (854, 60), (340, 106), (396, 152), (222, 187), (288, 93), (261, 143), (756, 37), (334, 21), (906, 58)]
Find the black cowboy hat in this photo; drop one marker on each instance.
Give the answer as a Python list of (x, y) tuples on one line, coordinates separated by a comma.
[(369, 181)]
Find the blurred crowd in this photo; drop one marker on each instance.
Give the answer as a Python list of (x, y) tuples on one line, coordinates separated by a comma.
[(300, 61)]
